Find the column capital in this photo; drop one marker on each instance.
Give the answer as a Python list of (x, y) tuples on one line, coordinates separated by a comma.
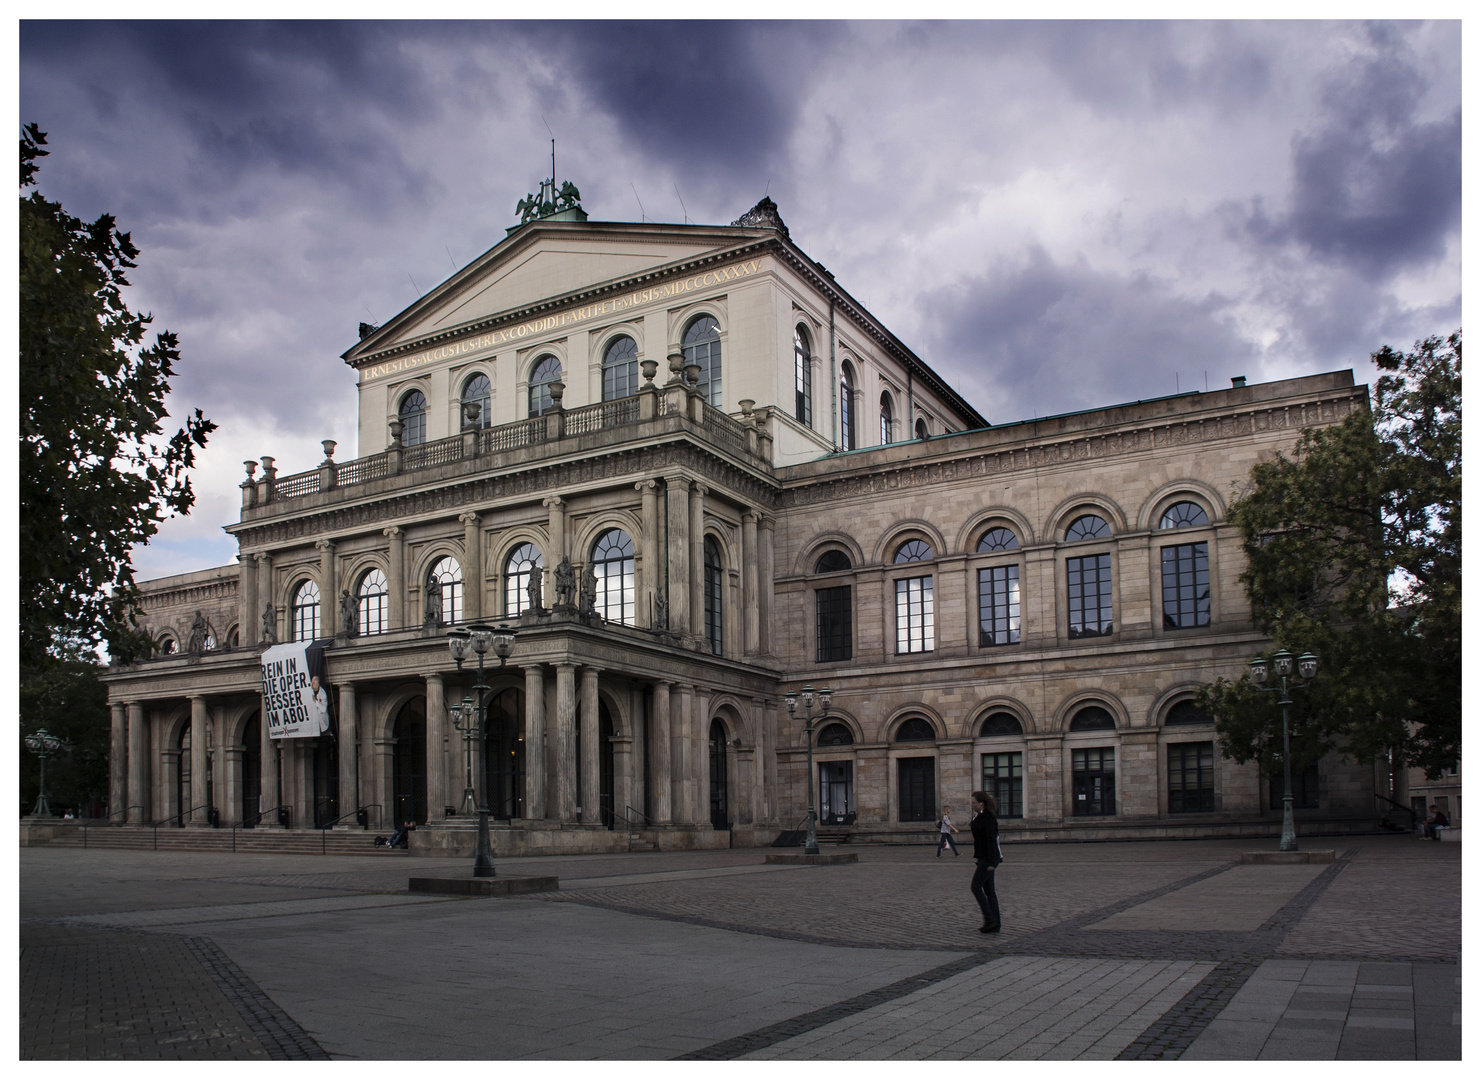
[(646, 486), (700, 489), (468, 518), (263, 556), (324, 545), (392, 531), (767, 521), (667, 684), (345, 684), (592, 669), (552, 500), (432, 676), (749, 516), (677, 480)]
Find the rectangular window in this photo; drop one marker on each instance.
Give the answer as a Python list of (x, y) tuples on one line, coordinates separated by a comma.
[(835, 623), (1305, 789), (836, 791), (1190, 777), (917, 789), (1002, 778), (997, 606), (1089, 595), (915, 615), (1093, 786), (1185, 594)]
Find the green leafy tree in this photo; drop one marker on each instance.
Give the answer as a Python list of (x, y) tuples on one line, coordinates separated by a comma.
[(1353, 548), (96, 478), (65, 697)]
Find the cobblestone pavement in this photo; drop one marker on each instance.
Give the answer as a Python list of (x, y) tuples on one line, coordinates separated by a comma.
[(1130, 950)]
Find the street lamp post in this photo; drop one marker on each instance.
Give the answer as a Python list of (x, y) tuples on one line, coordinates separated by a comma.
[(1259, 670), (479, 637), (43, 744), (464, 718), (808, 697)]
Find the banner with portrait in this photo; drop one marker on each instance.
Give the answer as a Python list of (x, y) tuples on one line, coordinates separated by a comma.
[(295, 693)]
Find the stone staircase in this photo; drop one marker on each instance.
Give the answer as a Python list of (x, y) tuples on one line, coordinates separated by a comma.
[(169, 838)]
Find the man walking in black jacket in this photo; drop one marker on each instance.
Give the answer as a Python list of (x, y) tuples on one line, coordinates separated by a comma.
[(988, 853)]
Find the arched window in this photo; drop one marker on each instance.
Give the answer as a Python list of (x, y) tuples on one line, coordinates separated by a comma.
[(802, 375), (836, 735), (305, 611), (370, 601), (620, 369), (830, 562), (1093, 718), (1087, 527), (413, 417), (445, 591), (921, 430), (166, 645), (846, 407), (1187, 712), (998, 539), (914, 551), (916, 729), (714, 586), (477, 392), (1183, 515), (612, 563), (547, 370), (1000, 723), (233, 638), (886, 418), (702, 346), (523, 563)]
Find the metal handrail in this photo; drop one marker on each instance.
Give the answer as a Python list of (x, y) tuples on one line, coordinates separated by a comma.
[(1398, 806), (175, 817), (324, 829), (109, 817), (630, 823), (281, 806)]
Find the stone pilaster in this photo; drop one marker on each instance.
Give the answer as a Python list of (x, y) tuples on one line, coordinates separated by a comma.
[(437, 724), (700, 740), (266, 594), (1043, 779), (472, 567), (766, 567), (249, 611), (199, 719), (751, 615), (650, 577), (535, 742), (557, 529), (660, 750), (564, 787), (118, 751), (678, 553), (697, 493), (346, 735), (590, 747), (329, 590), (622, 775), (396, 578), (683, 760)]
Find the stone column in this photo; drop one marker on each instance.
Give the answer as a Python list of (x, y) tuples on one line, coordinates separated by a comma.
[(118, 750), (650, 578), (385, 789), (766, 568), (222, 793), (591, 746), (773, 796), (758, 772), (249, 611), (396, 579), (535, 742), (270, 782), (265, 594), (563, 789), (697, 493), (557, 530), (348, 715), (622, 774), (302, 771), (472, 568), (232, 758), (659, 750), (199, 719), (700, 740), (436, 747), (744, 786), (683, 759), (750, 620), (678, 553), (329, 590), (136, 793), (370, 792)]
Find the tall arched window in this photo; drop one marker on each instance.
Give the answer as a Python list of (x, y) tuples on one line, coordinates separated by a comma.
[(523, 563), (370, 602), (413, 417), (846, 437), (915, 602), (922, 431), (802, 357), (1183, 515), (714, 593), (1087, 527), (886, 418), (702, 346), (305, 612), (612, 563), (445, 591), (476, 391), (547, 370), (620, 369)]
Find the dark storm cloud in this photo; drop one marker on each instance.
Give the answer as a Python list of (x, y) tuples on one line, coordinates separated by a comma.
[(1036, 337), (1374, 187)]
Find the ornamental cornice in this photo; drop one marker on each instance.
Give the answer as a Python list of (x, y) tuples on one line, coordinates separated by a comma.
[(1132, 439)]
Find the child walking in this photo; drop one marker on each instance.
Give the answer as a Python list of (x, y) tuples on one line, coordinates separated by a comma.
[(947, 828)]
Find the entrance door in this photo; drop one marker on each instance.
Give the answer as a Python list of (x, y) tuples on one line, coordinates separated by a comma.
[(719, 778), (917, 789), (504, 754), (836, 782), (409, 764)]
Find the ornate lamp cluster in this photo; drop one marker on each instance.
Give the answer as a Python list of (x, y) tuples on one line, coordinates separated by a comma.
[(1259, 671), (807, 698), (468, 718), (43, 744)]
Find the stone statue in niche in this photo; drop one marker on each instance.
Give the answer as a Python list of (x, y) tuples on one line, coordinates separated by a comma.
[(270, 624), (533, 590), (349, 614), (588, 592), (660, 611), (565, 584), (434, 606), (196, 642)]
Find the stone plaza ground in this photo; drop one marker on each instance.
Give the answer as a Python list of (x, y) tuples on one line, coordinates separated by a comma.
[(1116, 950)]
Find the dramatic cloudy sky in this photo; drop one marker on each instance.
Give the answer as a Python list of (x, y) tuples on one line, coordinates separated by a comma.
[(1054, 215)]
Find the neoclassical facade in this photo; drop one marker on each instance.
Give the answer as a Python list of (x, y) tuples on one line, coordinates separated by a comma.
[(694, 474)]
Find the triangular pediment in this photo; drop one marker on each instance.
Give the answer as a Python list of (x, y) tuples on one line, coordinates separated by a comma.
[(550, 261)]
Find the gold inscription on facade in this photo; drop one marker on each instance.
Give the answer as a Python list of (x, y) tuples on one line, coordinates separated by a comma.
[(536, 327)]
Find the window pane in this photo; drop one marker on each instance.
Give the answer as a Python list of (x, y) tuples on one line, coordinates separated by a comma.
[(1093, 781), (413, 416), (802, 358), (523, 563), (914, 551), (714, 582), (1088, 527), (702, 346), (998, 609), (835, 624), (1089, 581), (999, 539), (1183, 515), (620, 369), (1002, 777), (1190, 777), (917, 789), (371, 602), (1185, 587), (476, 391), (915, 615), (445, 591), (612, 562)]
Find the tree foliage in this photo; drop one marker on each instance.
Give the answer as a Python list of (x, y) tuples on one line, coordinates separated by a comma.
[(1353, 548), (65, 697), (95, 476)]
